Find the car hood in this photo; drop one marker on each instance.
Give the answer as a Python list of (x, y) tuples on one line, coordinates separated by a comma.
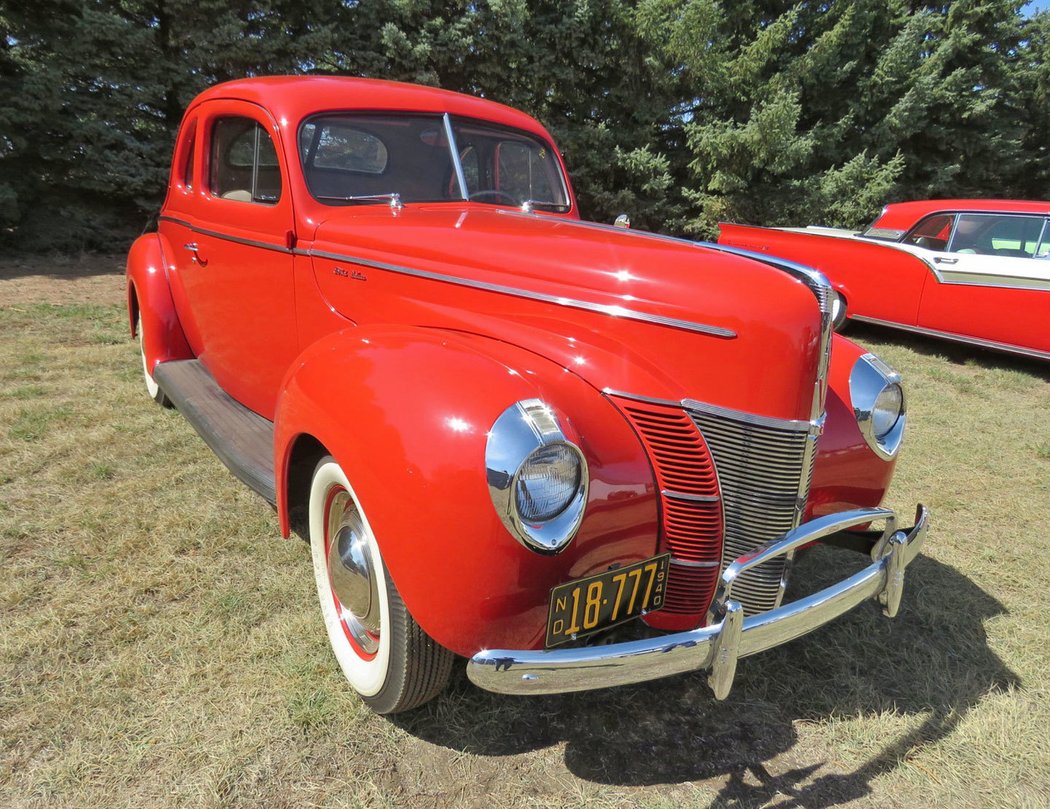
[(661, 317)]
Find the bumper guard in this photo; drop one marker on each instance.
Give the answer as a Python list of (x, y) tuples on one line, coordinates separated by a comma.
[(730, 636)]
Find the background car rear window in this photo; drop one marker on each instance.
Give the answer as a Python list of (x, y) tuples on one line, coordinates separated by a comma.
[(244, 164)]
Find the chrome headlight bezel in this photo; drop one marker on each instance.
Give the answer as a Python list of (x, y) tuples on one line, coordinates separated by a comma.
[(522, 430), (868, 381)]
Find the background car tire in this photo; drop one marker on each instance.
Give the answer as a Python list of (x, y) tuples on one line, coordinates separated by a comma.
[(398, 667), (152, 388)]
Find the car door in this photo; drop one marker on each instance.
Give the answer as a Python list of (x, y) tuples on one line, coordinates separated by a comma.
[(991, 280), (239, 281)]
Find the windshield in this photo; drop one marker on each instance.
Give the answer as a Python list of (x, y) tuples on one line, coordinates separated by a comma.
[(374, 158)]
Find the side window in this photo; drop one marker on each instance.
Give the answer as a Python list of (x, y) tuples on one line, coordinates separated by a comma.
[(997, 235), (191, 147), (244, 164), (931, 233)]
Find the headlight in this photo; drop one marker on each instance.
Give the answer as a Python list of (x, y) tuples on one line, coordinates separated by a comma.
[(878, 404), (889, 406), (537, 477)]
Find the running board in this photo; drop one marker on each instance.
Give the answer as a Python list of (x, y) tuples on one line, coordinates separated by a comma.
[(242, 439)]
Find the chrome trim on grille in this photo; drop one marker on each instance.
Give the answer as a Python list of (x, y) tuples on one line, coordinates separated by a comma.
[(738, 415), (692, 498)]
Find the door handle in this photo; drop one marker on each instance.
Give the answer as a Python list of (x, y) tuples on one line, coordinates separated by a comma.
[(195, 249), (940, 260)]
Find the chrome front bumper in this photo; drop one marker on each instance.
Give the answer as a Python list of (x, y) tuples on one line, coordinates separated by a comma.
[(718, 647)]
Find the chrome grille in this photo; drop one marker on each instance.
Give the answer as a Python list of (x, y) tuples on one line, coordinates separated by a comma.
[(762, 471)]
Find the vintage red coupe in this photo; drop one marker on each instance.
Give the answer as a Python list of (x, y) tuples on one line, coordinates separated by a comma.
[(505, 431), (969, 270)]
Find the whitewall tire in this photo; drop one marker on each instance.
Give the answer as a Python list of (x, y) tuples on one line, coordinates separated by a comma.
[(152, 388), (382, 651)]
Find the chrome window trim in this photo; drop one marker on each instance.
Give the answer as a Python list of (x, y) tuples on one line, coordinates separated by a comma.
[(519, 431), (450, 136)]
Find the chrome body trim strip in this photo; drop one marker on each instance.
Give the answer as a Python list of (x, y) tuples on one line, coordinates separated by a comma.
[(960, 278), (612, 310), (719, 646), (589, 306), (1032, 353), (280, 248)]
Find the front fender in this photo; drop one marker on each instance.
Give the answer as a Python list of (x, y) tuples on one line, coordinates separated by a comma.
[(148, 293), (406, 413)]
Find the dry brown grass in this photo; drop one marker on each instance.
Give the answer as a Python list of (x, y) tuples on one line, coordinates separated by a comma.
[(161, 646)]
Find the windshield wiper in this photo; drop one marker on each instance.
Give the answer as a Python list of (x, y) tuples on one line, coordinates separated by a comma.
[(394, 199)]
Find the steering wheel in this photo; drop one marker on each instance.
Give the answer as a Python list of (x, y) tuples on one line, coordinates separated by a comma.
[(497, 196)]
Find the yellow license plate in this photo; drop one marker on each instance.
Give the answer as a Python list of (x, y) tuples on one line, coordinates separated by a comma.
[(585, 606)]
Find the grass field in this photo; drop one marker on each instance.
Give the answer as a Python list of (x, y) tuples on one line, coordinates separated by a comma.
[(161, 646)]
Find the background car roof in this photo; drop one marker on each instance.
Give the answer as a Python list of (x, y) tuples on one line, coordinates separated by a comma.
[(902, 215), (294, 97)]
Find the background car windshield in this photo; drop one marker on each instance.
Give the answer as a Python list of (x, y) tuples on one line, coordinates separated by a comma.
[(508, 167)]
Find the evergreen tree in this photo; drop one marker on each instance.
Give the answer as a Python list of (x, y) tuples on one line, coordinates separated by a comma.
[(94, 90)]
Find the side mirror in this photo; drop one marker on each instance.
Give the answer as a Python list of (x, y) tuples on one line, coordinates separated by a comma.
[(622, 221)]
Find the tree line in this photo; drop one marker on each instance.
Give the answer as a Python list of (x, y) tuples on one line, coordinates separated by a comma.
[(679, 112)]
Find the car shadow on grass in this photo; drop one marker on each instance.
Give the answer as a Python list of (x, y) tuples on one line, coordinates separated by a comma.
[(925, 670)]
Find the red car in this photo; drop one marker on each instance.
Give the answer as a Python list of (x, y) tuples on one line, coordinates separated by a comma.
[(510, 435), (970, 270)]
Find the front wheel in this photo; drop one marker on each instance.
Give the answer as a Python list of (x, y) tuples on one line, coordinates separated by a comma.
[(388, 659)]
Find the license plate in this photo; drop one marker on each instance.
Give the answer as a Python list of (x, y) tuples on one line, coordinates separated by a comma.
[(585, 606)]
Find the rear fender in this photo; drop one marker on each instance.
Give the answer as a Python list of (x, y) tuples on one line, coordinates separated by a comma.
[(149, 294), (406, 414)]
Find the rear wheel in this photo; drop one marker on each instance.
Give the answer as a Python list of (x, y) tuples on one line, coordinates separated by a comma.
[(387, 658), (152, 388)]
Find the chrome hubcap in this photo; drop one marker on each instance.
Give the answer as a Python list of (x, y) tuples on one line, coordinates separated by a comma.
[(350, 573)]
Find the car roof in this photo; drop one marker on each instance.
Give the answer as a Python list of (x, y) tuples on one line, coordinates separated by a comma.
[(292, 98), (902, 215)]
